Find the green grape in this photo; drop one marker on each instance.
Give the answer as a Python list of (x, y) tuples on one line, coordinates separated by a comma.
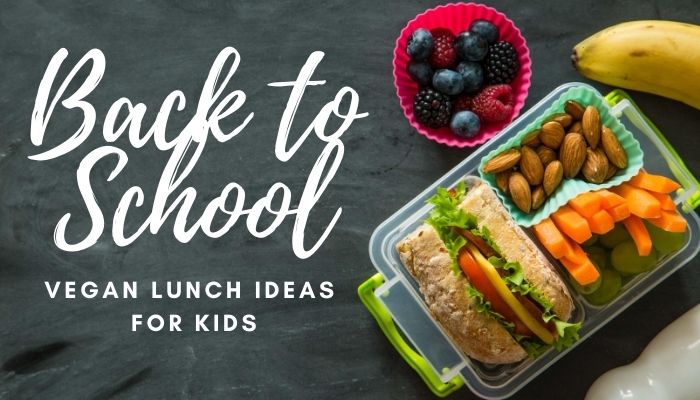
[(609, 288), (616, 236), (599, 256), (591, 241), (665, 242), (626, 259)]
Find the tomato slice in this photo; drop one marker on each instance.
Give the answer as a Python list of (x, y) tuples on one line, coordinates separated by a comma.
[(481, 282)]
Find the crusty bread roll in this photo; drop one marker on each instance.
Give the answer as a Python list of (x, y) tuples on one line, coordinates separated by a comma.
[(479, 336)]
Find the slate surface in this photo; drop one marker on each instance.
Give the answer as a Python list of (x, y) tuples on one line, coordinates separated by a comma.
[(70, 349)]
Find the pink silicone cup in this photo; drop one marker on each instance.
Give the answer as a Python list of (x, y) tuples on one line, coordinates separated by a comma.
[(457, 17)]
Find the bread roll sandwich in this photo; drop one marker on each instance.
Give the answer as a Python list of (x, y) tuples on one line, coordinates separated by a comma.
[(484, 280)]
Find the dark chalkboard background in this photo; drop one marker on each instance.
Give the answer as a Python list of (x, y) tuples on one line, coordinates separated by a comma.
[(301, 349)]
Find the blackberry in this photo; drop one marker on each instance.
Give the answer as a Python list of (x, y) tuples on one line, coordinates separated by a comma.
[(432, 108), (501, 64)]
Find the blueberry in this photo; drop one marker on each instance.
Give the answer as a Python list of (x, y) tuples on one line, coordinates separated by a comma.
[(465, 124), (472, 74), (471, 47), (485, 29), (448, 82), (421, 72), (420, 45)]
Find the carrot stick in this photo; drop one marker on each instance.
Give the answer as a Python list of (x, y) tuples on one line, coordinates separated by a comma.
[(640, 235), (601, 222), (654, 183), (619, 212), (552, 239), (572, 224), (670, 221), (587, 203), (610, 199), (640, 202), (577, 255), (584, 273), (665, 200)]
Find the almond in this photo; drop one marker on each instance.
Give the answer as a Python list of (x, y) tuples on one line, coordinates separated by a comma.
[(538, 197), (576, 127), (546, 155), (531, 166), (502, 181), (553, 175), (595, 167), (574, 109), (504, 161), (552, 134), (613, 149), (564, 119), (532, 139), (590, 123), (612, 171), (520, 191), (572, 154)]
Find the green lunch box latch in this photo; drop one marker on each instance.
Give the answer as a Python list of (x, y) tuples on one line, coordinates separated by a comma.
[(618, 98), (387, 325)]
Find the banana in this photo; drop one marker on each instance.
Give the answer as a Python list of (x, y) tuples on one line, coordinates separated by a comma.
[(659, 57)]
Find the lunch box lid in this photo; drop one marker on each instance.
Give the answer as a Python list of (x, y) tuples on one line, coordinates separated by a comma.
[(392, 295)]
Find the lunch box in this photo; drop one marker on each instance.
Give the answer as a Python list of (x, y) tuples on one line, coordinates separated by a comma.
[(393, 298)]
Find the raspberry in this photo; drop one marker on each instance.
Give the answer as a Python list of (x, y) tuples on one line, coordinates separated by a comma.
[(462, 103), (444, 54), (494, 103)]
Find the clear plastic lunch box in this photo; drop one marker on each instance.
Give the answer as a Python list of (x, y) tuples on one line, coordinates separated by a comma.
[(393, 298)]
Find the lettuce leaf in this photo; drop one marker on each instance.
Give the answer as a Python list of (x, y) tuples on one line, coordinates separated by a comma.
[(446, 214), (453, 243), (533, 348), (568, 334), (484, 306), (485, 234), (515, 280), (515, 276)]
